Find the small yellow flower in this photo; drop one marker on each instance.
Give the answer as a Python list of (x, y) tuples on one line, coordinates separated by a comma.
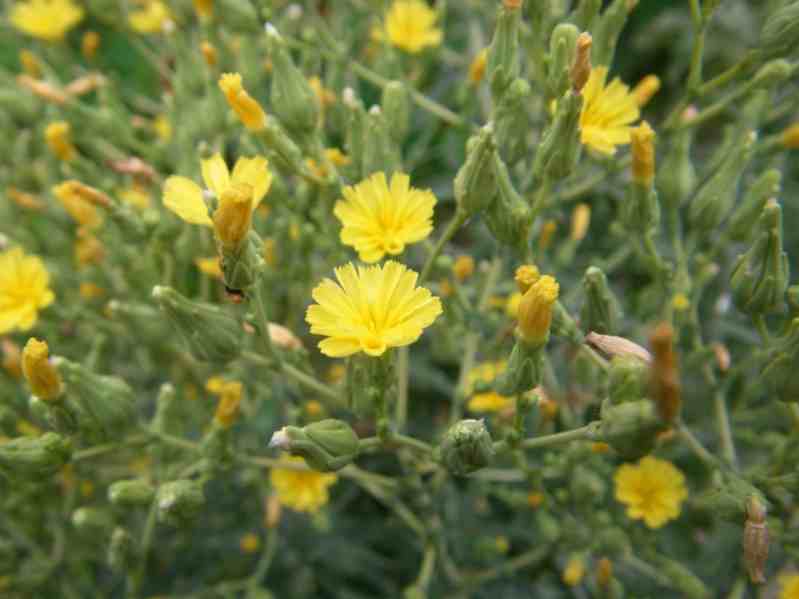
[(246, 108), (574, 572), (487, 401), (152, 17), (643, 151), (249, 543), (653, 490), (410, 26), (210, 55), (162, 127), (526, 276), (680, 302), (135, 196), (379, 219), (790, 137), (789, 586), (91, 291), (89, 44), (547, 233), (535, 310), (73, 198), (185, 198), (46, 19), (370, 309), (88, 249), (233, 216), (581, 219), (336, 373), (463, 267), (535, 499), (301, 490), (42, 377), (477, 68), (57, 136), (209, 266), (227, 411), (30, 63), (645, 89), (24, 199), (24, 290), (608, 111), (314, 408), (204, 8)]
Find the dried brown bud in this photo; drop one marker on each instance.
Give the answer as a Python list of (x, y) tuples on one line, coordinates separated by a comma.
[(44, 90), (581, 69), (133, 166), (665, 375), (612, 346), (755, 540), (722, 356), (84, 85), (282, 337)]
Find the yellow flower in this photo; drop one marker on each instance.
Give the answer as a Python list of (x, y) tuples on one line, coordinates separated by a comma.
[(463, 267), (24, 290), (90, 291), (789, 586), (547, 233), (57, 136), (249, 543), (162, 127), (410, 26), (246, 108), (89, 44), (73, 198), (301, 490), (153, 17), (88, 249), (204, 8), (379, 220), (680, 302), (487, 401), (135, 196), (526, 276), (209, 266), (608, 111), (42, 377), (574, 572), (477, 68), (535, 310), (46, 19), (185, 198), (652, 490), (581, 219), (229, 393), (512, 304), (233, 215), (30, 63), (371, 309)]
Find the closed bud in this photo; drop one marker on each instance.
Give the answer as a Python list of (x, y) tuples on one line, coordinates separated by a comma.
[(581, 67), (574, 572), (643, 152), (292, 98), (396, 107), (562, 45), (729, 497), (227, 410), (628, 380), (503, 54), (466, 447), (509, 217), (780, 33), (631, 428), (607, 31), (326, 445), (180, 502), (586, 14), (380, 151), (233, 216), (645, 89), (676, 176), (586, 486), (30, 63), (523, 371), (760, 276), (210, 55), (131, 493), (744, 219), (755, 539), (204, 8), (665, 390), (511, 121), (463, 268), (716, 197), (355, 128), (246, 108), (559, 150), (601, 311), (475, 184), (282, 149), (210, 333), (121, 551), (42, 377), (604, 573), (34, 457), (612, 346), (772, 74), (779, 371), (535, 311)]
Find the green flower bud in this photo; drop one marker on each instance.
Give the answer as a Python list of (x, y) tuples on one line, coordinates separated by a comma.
[(142, 318), (131, 493), (396, 106), (35, 456), (779, 370), (601, 311), (180, 502), (355, 129), (559, 150), (281, 148), (728, 498), (681, 578), (104, 407), (326, 445), (92, 521), (164, 408), (780, 33), (380, 151), (524, 369), (210, 333), (760, 276), (716, 197), (509, 218), (291, 98), (608, 30), (511, 121), (549, 528), (744, 218), (630, 428), (562, 46), (466, 447), (676, 176), (586, 486), (121, 551), (475, 184), (503, 55), (771, 74), (240, 15), (628, 379), (240, 266)]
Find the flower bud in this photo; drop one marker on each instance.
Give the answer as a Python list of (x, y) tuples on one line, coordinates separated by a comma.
[(562, 46), (30, 63), (475, 184), (676, 176), (526, 276), (612, 346), (789, 138), (380, 151), (601, 310), (630, 428), (282, 149), (779, 371), (760, 276), (104, 407), (523, 371), (581, 68), (227, 410), (42, 377), (645, 89), (35, 457), (463, 268), (715, 198), (121, 551), (755, 539), (535, 311), (210, 333), (233, 216), (559, 150), (780, 33), (665, 374), (466, 447), (131, 493), (292, 98), (574, 572), (772, 74), (396, 107), (511, 121), (180, 501), (607, 31), (643, 151), (503, 53), (326, 445), (246, 108), (628, 379), (89, 44), (509, 217), (57, 136), (210, 54), (204, 8), (744, 219)]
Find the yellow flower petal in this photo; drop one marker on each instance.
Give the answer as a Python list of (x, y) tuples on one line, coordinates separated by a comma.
[(216, 174), (254, 172), (185, 198)]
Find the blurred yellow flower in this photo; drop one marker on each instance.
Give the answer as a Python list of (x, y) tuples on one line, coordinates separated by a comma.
[(608, 111), (46, 19), (653, 490), (135, 196), (209, 266), (43, 378), (24, 290), (789, 586), (410, 26), (70, 194), (512, 304), (88, 249), (162, 127), (477, 68), (486, 401), (645, 89), (378, 219), (185, 198), (245, 106), (249, 543), (370, 309), (58, 138), (301, 490), (574, 572), (152, 17)]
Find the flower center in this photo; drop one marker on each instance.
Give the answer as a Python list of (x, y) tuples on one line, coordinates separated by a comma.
[(373, 345)]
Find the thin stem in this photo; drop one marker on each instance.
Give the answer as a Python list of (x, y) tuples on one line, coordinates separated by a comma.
[(262, 567), (762, 329), (696, 446), (98, 450), (528, 558), (725, 432), (589, 432), (454, 224), (427, 568), (298, 376), (260, 303), (401, 408)]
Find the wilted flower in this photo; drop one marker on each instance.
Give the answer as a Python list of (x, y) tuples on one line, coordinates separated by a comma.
[(24, 290), (653, 490)]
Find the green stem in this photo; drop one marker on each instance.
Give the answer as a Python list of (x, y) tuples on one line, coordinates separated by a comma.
[(528, 558), (262, 567), (260, 304), (427, 568), (454, 224), (401, 408), (762, 329), (589, 432), (299, 377), (137, 577), (97, 450), (696, 447)]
